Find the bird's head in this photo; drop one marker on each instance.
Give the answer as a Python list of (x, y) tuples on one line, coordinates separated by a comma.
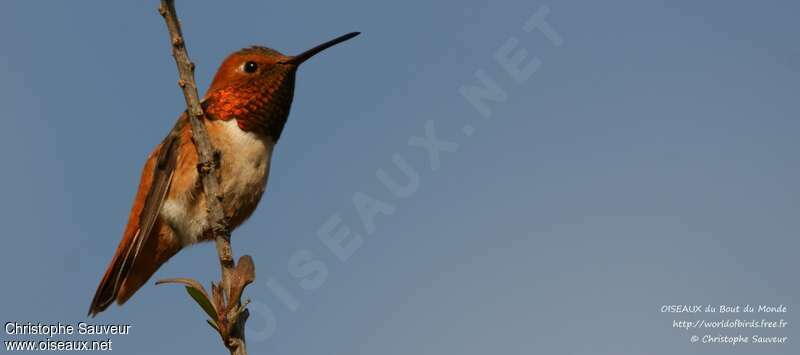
[(255, 86)]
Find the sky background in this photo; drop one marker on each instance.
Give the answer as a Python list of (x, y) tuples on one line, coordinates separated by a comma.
[(650, 160)]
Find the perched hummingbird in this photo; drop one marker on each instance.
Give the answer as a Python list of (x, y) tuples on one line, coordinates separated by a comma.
[(246, 107)]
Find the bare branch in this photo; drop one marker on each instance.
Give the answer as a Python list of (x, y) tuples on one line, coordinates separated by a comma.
[(233, 335)]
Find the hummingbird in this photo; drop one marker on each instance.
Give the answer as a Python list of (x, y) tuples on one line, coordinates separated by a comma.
[(246, 107)]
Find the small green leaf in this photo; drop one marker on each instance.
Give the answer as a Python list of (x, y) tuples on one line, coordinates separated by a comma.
[(203, 301), (197, 291), (213, 325)]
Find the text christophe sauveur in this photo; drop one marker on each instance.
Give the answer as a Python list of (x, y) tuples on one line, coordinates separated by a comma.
[(82, 328)]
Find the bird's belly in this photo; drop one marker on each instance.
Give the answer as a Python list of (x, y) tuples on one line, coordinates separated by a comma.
[(243, 174)]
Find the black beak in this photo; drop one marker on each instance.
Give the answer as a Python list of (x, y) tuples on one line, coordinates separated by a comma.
[(302, 57)]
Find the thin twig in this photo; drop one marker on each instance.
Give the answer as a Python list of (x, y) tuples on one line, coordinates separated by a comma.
[(208, 158)]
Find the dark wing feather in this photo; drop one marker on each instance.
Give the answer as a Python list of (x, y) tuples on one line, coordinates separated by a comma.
[(162, 178), (130, 247)]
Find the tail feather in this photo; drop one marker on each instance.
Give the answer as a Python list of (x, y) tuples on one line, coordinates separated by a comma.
[(128, 271), (112, 279), (146, 243)]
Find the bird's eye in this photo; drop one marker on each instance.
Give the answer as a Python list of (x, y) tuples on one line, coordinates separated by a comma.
[(250, 67)]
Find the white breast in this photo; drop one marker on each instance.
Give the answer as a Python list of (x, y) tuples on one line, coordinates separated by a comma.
[(245, 162), (244, 173)]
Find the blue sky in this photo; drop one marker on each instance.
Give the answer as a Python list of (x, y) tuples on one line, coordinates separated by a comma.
[(650, 159)]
